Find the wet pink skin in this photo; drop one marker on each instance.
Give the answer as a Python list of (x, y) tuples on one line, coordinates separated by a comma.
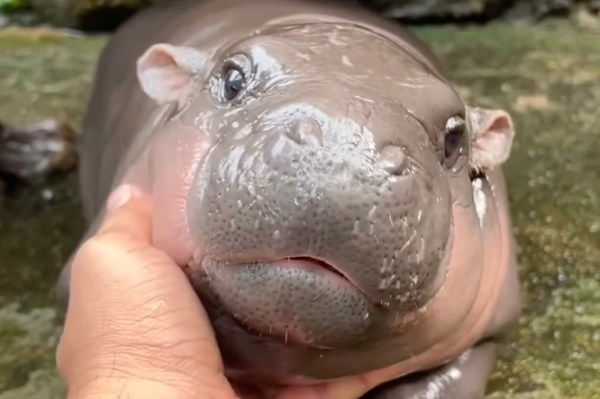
[(165, 171), (175, 156), (453, 321)]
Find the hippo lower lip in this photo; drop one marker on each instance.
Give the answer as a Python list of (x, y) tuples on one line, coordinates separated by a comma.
[(269, 298)]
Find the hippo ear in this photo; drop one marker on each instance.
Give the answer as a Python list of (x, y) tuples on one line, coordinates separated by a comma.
[(492, 136), (166, 73)]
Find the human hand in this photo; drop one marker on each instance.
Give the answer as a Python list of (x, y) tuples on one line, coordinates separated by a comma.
[(135, 328)]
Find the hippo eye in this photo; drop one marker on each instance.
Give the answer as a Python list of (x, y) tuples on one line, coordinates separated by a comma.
[(454, 140), (235, 82)]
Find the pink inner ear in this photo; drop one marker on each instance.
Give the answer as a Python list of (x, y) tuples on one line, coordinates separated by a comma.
[(159, 58), (174, 77), (161, 76), (501, 123), (493, 139)]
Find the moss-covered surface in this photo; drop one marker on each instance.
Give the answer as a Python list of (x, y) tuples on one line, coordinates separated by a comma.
[(42, 75), (547, 76), (549, 79)]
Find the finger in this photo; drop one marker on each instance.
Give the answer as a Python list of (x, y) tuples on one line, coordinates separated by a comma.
[(127, 294), (128, 216)]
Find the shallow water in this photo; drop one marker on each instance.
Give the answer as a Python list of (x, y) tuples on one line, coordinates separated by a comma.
[(547, 76)]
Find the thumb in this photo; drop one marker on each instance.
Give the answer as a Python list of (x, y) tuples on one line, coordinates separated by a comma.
[(127, 294), (128, 217)]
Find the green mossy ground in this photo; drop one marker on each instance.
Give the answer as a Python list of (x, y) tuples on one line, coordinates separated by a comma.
[(547, 76)]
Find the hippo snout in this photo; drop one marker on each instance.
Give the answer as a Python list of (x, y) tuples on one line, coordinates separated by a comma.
[(314, 231), (305, 131)]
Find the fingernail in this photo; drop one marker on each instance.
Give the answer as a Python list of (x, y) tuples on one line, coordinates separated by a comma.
[(119, 197)]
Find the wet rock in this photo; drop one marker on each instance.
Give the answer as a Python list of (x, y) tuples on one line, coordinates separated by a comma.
[(91, 15), (438, 10), (32, 152), (16, 12), (57, 12), (532, 9), (587, 16), (475, 10)]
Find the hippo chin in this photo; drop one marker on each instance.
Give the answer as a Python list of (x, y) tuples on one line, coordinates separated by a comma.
[(334, 202)]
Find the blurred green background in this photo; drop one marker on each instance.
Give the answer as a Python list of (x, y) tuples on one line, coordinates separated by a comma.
[(543, 68)]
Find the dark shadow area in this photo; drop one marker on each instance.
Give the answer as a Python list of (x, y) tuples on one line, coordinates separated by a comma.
[(105, 19)]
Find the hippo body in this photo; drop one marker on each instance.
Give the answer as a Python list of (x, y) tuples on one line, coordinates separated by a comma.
[(336, 205)]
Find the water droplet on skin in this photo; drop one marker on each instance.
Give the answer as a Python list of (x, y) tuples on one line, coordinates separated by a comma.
[(412, 258), (277, 235), (420, 249), (346, 61), (391, 279), (404, 225), (356, 228), (383, 267)]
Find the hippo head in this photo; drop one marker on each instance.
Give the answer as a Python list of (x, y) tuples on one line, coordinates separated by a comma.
[(310, 179)]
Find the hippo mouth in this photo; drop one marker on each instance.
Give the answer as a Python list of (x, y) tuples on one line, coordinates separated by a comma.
[(302, 300), (320, 263)]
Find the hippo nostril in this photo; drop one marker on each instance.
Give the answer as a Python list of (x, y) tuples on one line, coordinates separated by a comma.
[(306, 132), (393, 160)]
